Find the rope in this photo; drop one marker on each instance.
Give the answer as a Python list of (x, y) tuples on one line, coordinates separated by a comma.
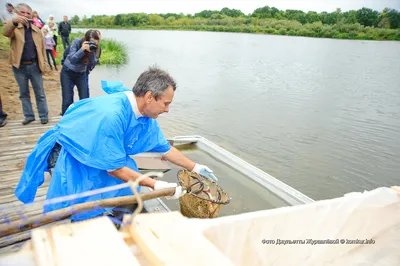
[(130, 184), (134, 185)]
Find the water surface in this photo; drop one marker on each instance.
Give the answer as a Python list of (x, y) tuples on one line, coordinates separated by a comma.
[(321, 115)]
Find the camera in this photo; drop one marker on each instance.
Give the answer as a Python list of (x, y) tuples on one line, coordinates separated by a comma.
[(92, 46)]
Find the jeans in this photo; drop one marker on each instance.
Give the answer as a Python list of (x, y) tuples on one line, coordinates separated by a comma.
[(65, 41), (22, 75), (87, 82), (68, 80)]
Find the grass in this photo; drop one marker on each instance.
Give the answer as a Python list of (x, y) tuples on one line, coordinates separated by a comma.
[(113, 52), (4, 42)]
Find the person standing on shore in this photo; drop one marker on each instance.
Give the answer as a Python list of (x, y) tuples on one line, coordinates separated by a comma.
[(49, 45), (90, 66), (95, 62), (64, 30), (81, 54), (27, 57), (53, 29)]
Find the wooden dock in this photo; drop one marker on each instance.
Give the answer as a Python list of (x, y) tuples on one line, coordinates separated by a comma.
[(16, 143)]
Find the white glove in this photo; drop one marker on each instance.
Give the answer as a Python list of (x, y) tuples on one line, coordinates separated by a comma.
[(179, 192), (204, 171)]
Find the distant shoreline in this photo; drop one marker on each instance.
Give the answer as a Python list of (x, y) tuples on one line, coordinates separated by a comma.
[(256, 30)]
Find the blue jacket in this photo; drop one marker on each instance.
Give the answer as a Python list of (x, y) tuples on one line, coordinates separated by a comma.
[(73, 57)]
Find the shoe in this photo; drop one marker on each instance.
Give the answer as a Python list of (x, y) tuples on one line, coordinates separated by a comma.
[(56, 68), (3, 123), (28, 120), (44, 120)]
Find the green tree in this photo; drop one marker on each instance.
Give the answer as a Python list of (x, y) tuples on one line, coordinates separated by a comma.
[(367, 17), (298, 15), (394, 17), (118, 20), (74, 20), (350, 16), (231, 12), (312, 16), (206, 13), (155, 20), (264, 12), (85, 21)]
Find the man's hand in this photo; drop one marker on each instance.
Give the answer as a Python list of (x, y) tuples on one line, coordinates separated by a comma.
[(20, 19), (179, 192), (204, 171), (177, 157)]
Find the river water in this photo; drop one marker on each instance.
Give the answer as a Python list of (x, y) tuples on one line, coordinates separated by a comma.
[(321, 115)]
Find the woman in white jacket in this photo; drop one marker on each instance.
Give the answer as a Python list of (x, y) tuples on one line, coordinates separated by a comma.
[(52, 28)]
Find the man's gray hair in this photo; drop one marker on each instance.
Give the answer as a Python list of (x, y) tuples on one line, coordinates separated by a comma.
[(154, 80), (24, 5)]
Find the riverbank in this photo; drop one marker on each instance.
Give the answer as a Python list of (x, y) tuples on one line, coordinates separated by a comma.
[(113, 53), (288, 28)]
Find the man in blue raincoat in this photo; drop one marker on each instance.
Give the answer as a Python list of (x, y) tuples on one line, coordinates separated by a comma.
[(95, 139)]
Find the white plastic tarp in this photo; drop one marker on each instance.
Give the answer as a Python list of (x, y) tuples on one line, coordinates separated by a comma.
[(357, 229)]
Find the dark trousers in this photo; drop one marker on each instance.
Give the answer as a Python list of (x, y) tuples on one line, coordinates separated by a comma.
[(68, 80), (55, 41), (87, 82), (22, 75), (3, 115), (49, 54), (65, 41)]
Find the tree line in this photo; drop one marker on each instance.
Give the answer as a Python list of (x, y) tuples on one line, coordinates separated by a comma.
[(364, 23)]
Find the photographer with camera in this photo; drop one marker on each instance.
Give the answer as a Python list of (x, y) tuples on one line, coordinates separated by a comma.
[(82, 53), (27, 57), (98, 54)]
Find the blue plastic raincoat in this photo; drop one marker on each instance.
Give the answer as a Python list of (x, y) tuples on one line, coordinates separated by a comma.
[(96, 135)]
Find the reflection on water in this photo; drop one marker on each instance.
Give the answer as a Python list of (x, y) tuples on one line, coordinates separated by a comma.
[(320, 115)]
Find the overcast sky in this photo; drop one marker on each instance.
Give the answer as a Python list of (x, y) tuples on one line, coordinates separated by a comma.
[(59, 8)]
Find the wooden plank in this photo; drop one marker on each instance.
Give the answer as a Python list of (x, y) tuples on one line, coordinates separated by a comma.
[(167, 239), (92, 242)]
